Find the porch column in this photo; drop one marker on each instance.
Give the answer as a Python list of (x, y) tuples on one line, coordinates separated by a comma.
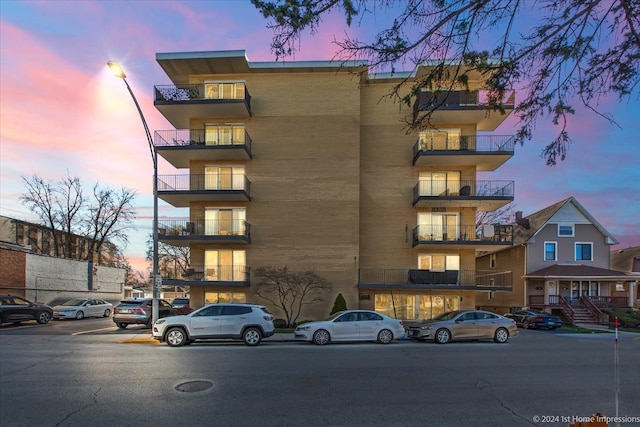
[(630, 295), (545, 286)]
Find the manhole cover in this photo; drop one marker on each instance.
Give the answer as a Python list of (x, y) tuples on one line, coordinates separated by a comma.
[(194, 386)]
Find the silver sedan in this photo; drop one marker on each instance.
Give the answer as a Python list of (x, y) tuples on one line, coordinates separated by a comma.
[(352, 325), (465, 325), (79, 308)]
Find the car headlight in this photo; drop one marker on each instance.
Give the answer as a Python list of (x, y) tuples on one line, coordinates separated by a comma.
[(303, 328), (425, 328), (160, 321)]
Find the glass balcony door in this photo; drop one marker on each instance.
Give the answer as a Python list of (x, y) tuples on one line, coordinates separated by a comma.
[(224, 178), (225, 222), (225, 265), (439, 183), (438, 226)]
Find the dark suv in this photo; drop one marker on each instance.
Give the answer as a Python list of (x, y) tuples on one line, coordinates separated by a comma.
[(137, 311), (181, 305), (16, 309)]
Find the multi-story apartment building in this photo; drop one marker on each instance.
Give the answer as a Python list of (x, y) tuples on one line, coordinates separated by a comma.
[(308, 165)]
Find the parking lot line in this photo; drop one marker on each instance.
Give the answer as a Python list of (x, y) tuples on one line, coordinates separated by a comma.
[(93, 330)]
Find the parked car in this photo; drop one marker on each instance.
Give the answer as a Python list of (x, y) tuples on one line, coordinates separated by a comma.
[(181, 305), (79, 308), (15, 309), (535, 319), (247, 322), (137, 311), (352, 325), (465, 325)]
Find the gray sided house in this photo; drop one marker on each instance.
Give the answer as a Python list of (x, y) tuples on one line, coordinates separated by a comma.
[(561, 263)]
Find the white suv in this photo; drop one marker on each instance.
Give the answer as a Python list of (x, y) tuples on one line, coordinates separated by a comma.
[(248, 322)]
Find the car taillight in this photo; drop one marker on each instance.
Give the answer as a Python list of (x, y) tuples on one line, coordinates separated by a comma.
[(115, 310), (268, 318), (401, 323), (538, 319)]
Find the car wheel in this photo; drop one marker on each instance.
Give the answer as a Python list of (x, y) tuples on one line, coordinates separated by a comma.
[(526, 324), (501, 336), (79, 315), (385, 336), (251, 336), (43, 317), (321, 337), (122, 325), (175, 337), (107, 313), (443, 336)]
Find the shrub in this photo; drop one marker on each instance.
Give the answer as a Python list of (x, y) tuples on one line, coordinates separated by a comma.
[(626, 318), (279, 323), (339, 305)]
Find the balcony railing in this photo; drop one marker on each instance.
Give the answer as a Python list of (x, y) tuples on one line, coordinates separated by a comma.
[(211, 229), (427, 279), (199, 137), (463, 189), (463, 143), (194, 182), (460, 99), (202, 92), (487, 234), (227, 275)]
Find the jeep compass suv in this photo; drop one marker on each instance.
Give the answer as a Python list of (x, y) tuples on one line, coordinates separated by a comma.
[(247, 322)]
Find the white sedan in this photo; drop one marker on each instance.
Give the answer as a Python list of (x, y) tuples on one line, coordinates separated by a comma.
[(352, 325), (79, 308)]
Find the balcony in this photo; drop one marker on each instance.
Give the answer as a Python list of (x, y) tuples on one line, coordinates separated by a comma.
[(483, 195), (463, 106), (463, 236), (486, 152), (180, 190), (200, 275), (180, 147), (179, 103), (402, 279), (186, 232)]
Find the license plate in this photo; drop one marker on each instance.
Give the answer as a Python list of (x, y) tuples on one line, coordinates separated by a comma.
[(125, 310)]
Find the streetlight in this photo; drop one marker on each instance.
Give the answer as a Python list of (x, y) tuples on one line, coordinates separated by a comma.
[(117, 71)]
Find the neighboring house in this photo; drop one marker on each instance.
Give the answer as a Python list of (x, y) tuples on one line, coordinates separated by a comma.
[(28, 267), (301, 163), (628, 260), (561, 263)]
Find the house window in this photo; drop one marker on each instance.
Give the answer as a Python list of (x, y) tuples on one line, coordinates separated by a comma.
[(492, 261), (584, 251), (225, 265), (550, 251), (565, 230), (225, 222), (439, 183)]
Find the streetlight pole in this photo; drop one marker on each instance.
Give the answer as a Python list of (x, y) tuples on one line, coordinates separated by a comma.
[(117, 71)]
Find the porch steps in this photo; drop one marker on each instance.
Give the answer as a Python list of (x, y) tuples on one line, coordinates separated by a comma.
[(583, 316)]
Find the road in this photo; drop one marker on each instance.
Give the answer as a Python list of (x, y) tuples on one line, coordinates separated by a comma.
[(49, 377)]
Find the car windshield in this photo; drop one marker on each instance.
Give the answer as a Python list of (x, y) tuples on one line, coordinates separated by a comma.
[(73, 302), (447, 316)]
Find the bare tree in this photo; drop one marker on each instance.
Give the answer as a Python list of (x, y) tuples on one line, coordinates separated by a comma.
[(62, 206), (563, 52), (289, 290), (173, 261), (503, 215)]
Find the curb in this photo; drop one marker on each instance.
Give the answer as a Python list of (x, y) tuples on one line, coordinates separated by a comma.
[(149, 340)]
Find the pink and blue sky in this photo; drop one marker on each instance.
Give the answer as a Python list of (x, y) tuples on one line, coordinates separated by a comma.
[(61, 110)]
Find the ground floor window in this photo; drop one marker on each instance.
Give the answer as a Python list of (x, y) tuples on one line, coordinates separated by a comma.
[(225, 297), (415, 307)]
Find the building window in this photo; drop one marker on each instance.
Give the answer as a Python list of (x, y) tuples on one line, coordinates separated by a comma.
[(225, 265), (224, 134), (439, 262), (439, 183), (224, 178), (225, 222), (438, 226), (443, 139), (224, 90), (492, 261), (415, 307), (565, 230), (550, 251), (225, 298), (584, 251)]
